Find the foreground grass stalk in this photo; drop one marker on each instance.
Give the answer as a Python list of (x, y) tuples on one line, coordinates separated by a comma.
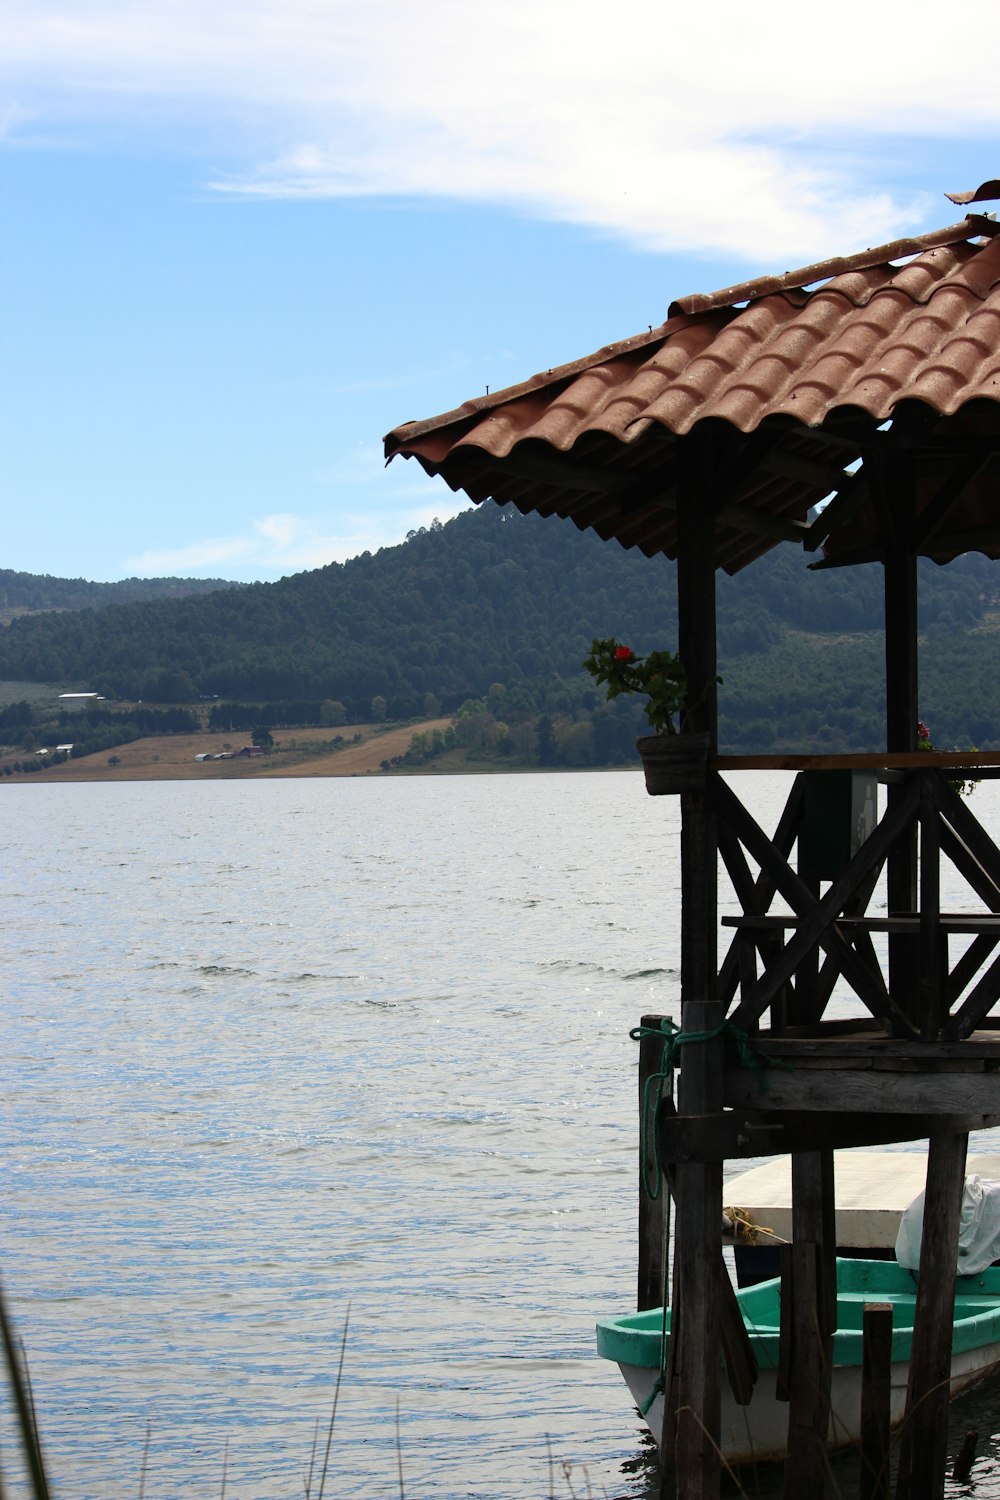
[(145, 1460), (20, 1388), (336, 1397), (312, 1460)]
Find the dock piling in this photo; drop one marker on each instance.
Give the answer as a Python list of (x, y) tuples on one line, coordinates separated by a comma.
[(876, 1394)]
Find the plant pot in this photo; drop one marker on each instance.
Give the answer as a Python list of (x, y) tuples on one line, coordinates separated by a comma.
[(674, 762)]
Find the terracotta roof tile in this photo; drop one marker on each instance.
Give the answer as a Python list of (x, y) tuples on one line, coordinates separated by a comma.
[(594, 440)]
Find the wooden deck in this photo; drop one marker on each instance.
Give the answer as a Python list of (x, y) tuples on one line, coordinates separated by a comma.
[(874, 1074)]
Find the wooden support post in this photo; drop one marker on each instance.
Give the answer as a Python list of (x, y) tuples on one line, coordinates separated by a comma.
[(813, 1314), (690, 1443), (783, 1378), (695, 1417), (933, 1002), (814, 1218), (876, 1399), (923, 1449), (809, 1389), (901, 679), (901, 734), (806, 1007), (652, 1211)]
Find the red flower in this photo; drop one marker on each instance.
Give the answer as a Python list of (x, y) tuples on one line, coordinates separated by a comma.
[(624, 653)]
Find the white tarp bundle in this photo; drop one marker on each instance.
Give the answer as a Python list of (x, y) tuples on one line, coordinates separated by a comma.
[(978, 1231)]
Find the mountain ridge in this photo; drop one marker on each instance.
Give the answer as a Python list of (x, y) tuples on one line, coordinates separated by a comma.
[(492, 599)]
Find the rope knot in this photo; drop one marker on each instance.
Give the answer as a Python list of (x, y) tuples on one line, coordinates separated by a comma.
[(750, 1055)]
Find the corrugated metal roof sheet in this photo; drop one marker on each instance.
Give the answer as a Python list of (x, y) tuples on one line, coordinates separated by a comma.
[(787, 390)]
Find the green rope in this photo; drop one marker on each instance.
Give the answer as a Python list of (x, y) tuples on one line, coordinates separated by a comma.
[(751, 1056), (659, 1385)]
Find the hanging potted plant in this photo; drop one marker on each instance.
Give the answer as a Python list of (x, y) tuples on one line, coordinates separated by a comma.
[(673, 760)]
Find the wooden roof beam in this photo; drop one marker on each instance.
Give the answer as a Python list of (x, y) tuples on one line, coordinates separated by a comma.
[(940, 506)]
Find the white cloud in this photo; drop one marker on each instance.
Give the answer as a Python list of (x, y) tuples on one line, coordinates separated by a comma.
[(201, 557), (279, 544), (700, 127)]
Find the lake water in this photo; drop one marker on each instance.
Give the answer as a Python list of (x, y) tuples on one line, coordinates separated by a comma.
[(281, 1053)]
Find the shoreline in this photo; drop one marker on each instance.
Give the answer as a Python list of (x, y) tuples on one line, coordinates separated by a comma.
[(297, 753)]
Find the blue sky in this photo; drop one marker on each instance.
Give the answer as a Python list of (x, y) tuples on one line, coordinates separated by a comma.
[(241, 241)]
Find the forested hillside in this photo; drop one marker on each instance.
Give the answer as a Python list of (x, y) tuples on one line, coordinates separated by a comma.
[(29, 593), (497, 603)]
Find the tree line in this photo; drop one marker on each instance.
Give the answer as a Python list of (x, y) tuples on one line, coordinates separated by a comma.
[(495, 601)]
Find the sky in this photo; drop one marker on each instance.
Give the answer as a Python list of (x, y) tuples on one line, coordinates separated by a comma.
[(239, 242)]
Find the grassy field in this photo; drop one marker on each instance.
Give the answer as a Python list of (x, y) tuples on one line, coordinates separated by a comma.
[(297, 752)]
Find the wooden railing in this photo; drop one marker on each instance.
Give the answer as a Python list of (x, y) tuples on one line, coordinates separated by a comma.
[(787, 963)]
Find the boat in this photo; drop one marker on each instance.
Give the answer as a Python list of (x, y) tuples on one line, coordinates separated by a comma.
[(874, 1189), (756, 1433)]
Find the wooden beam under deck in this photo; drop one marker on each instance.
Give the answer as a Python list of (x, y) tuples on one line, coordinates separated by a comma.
[(744, 1134), (872, 1077)]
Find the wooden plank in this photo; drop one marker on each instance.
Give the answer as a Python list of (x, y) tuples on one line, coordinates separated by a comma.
[(969, 867), (968, 965), (806, 1463), (896, 487), (693, 1426), (849, 1046), (901, 695), (728, 1135), (961, 924), (813, 1219), (936, 507), (740, 1135), (748, 967), (855, 1027), (979, 1002), (738, 965), (786, 1334), (818, 919), (741, 1362), (814, 1132), (742, 1368), (876, 1395), (932, 946), (763, 890), (958, 815), (652, 1217), (804, 1004), (828, 975), (879, 760), (690, 1437), (840, 1090), (923, 1447)]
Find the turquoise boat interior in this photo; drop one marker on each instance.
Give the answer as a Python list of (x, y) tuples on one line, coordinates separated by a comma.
[(635, 1339)]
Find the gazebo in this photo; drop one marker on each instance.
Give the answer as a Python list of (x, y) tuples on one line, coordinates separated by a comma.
[(851, 407)]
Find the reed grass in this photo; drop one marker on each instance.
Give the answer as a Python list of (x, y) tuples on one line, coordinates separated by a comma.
[(26, 1427), (24, 1406)]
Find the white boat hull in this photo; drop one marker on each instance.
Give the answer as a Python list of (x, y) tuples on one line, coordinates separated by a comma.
[(757, 1433)]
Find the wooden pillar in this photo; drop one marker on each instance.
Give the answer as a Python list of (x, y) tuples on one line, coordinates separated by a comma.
[(876, 1401), (690, 1447), (652, 1211), (932, 1006), (901, 675), (923, 1446), (902, 710), (813, 1314)]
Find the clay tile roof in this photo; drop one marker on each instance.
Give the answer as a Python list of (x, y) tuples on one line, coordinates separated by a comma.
[(787, 383)]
